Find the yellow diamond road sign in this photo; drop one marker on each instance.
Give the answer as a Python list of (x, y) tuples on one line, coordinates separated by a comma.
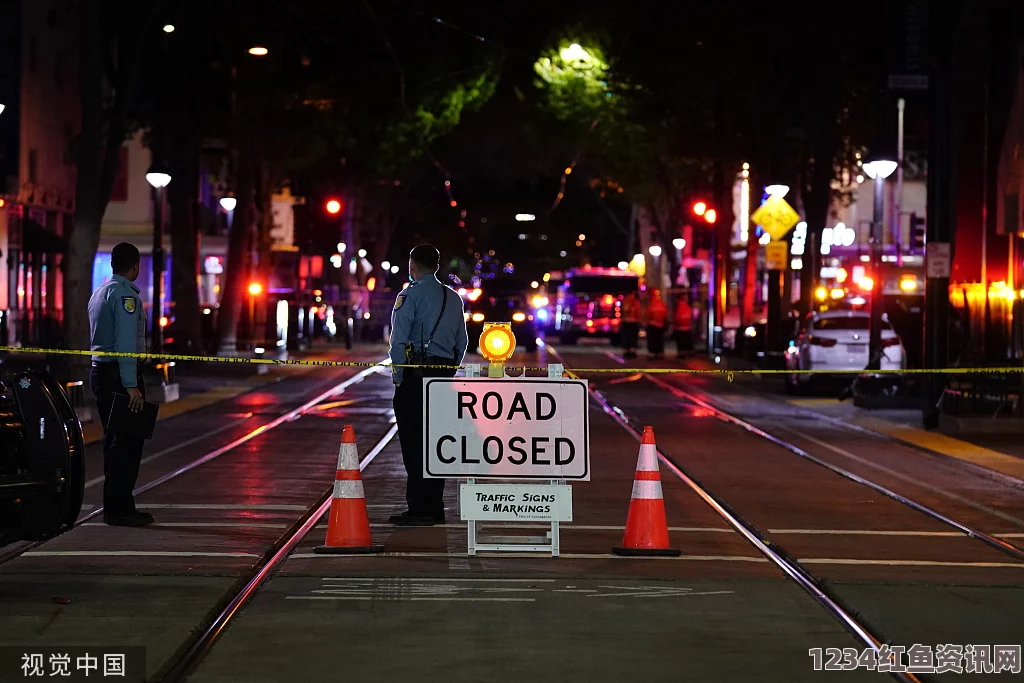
[(776, 216)]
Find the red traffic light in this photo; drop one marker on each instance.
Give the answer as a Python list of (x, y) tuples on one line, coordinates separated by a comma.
[(710, 215), (700, 208), (333, 206)]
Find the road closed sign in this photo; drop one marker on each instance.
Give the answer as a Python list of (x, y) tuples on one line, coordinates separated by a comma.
[(528, 429)]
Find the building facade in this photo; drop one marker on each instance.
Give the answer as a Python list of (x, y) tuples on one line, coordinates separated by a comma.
[(40, 118)]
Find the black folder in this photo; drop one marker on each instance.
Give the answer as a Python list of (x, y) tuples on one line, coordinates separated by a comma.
[(123, 420)]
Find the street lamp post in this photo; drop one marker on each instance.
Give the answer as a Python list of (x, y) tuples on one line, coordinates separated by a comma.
[(878, 170), (158, 178)]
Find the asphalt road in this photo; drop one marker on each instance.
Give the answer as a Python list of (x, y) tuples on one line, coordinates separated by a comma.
[(426, 611)]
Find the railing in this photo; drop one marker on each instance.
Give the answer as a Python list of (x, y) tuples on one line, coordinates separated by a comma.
[(994, 395)]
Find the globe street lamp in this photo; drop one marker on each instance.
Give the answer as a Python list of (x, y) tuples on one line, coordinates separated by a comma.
[(878, 169), (158, 177)]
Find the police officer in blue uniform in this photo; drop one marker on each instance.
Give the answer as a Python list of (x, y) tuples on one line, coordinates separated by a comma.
[(428, 326), (117, 323)]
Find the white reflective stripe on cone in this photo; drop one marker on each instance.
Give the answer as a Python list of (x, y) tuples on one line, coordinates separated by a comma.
[(347, 457), (348, 489), (648, 460), (645, 489)]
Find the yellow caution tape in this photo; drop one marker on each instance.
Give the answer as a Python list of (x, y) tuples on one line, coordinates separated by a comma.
[(729, 373)]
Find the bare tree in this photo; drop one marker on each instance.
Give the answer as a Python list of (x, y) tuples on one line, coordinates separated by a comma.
[(112, 33)]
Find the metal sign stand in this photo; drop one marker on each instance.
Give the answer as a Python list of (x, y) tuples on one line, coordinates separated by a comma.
[(523, 544)]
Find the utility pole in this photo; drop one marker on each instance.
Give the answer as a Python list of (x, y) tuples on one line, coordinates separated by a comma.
[(877, 232), (941, 198), (897, 212)]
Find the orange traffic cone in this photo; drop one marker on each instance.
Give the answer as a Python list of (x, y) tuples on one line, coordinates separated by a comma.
[(646, 528), (348, 528)]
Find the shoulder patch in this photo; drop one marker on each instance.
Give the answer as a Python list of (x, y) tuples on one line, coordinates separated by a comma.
[(399, 301), (128, 303)]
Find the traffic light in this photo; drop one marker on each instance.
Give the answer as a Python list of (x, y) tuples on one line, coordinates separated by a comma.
[(917, 233), (333, 207), (704, 211)]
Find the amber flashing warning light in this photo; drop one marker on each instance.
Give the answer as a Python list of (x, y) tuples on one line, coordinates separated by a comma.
[(497, 343)]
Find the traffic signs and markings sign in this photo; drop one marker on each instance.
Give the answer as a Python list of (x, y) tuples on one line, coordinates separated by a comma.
[(516, 502), (938, 259), (776, 216), (509, 428)]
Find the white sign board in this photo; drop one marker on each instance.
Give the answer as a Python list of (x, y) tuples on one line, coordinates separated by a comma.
[(938, 260), (506, 429), (516, 502)]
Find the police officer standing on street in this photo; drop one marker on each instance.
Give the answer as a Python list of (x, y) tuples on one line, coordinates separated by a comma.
[(428, 327), (117, 323)]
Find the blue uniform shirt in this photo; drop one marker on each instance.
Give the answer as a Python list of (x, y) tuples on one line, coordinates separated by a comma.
[(416, 310), (117, 323)]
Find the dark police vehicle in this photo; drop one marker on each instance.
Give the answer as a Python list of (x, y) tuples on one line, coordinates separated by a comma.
[(502, 300), (42, 468)]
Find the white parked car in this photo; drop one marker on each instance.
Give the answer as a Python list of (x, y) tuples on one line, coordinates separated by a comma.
[(838, 340)]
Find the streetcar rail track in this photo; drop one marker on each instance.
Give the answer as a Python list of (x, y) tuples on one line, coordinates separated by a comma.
[(193, 652), (775, 553), (288, 416), (772, 551), (998, 544)]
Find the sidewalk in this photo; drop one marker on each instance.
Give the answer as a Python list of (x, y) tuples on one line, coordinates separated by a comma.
[(1003, 453)]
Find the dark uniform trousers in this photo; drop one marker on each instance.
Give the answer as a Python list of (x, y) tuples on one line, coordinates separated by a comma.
[(122, 454), (425, 497)]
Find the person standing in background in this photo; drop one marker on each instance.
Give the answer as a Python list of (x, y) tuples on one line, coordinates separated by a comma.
[(630, 327), (657, 319), (682, 326)]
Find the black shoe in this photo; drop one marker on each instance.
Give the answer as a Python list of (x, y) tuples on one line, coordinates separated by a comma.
[(414, 520), (397, 519), (136, 518)]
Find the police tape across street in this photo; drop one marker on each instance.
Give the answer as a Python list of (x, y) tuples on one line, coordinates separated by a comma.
[(728, 373)]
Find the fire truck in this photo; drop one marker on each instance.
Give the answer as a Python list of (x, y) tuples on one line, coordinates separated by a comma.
[(589, 302)]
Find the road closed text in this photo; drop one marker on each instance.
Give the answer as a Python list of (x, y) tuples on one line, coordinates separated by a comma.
[(506, 429), (538, 450)]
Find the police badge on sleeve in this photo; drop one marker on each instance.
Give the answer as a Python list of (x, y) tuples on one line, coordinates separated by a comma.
[(399, 301), (128, 302)]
